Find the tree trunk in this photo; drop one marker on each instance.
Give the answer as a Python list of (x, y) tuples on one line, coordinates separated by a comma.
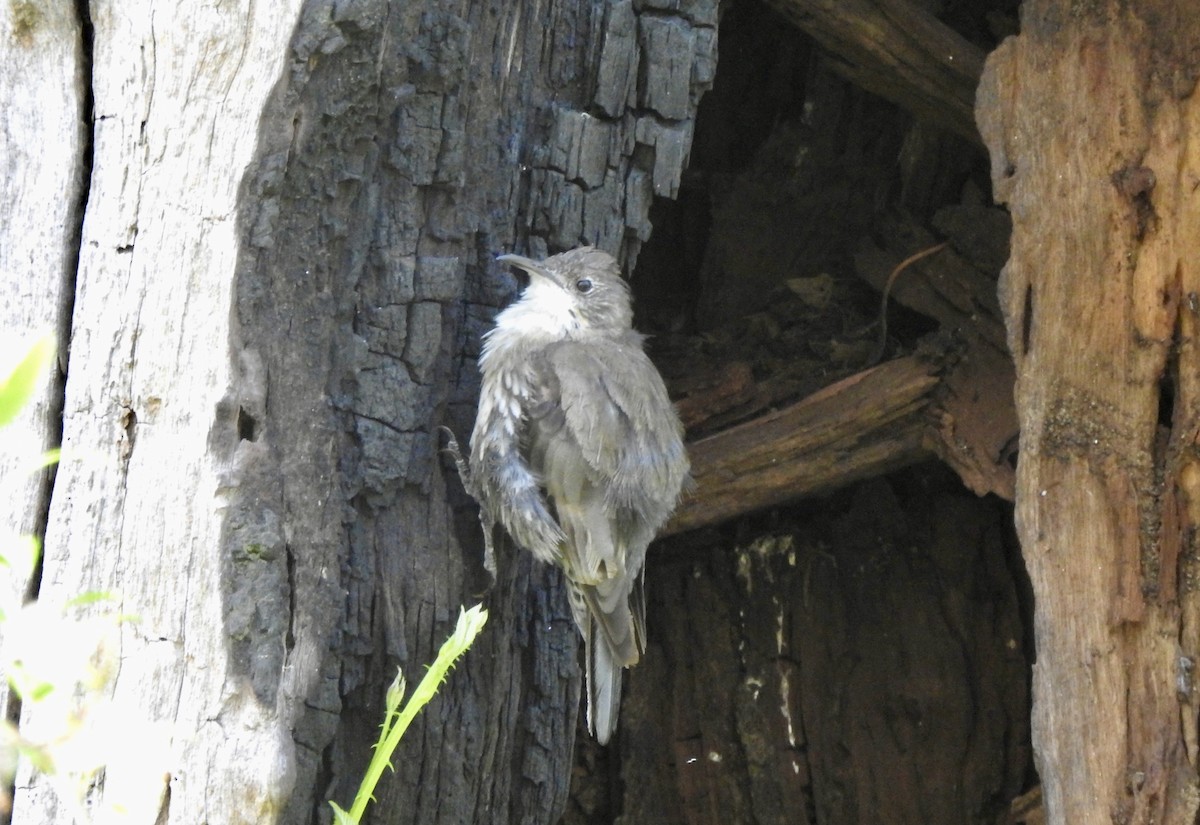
[(286, 266), (863, 664), (138, 507), (1091, 118), (42, 149)]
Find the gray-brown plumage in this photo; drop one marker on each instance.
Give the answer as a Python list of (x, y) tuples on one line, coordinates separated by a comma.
[(578, 452)]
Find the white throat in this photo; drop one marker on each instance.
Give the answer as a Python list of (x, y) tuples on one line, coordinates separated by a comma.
[(543, 312)]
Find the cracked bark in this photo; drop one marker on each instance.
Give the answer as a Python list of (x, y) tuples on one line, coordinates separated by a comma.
[(44, 149), (286, 265)]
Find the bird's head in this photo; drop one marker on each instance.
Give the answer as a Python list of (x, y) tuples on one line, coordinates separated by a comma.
[(582, 287)]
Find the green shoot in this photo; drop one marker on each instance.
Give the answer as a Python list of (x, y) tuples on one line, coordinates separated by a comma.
[(396, 719), (17, 388)]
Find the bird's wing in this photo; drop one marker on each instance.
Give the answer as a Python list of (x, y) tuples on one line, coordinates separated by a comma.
[(616, 407), (567, 468), (603, 439)]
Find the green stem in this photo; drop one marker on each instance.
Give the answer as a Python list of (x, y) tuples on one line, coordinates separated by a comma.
[(470, 622)]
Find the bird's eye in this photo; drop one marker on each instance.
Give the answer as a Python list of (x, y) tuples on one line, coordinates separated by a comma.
[(583, 286)]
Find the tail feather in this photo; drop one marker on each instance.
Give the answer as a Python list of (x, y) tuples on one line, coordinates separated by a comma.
[(603, 685), (637, 612), (609, 608), (605, 657)]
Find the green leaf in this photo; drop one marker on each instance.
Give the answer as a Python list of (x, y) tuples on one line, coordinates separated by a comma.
[(20, 561), (38, 756), (92, 597), (17, 388), (44, 460), (340, 817), (39, 691), (395, 692)]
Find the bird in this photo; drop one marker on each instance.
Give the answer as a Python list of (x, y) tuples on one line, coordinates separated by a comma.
[(578, 452)]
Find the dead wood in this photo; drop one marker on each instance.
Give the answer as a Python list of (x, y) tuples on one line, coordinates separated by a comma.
[(959, 408), (1097, 301), (900, 52), (860, 427), (974, 427), (709, 395)]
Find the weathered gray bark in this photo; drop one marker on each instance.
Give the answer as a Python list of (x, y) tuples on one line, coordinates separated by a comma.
[(42, 142), (287, 263), (138, 507), (429, 140)]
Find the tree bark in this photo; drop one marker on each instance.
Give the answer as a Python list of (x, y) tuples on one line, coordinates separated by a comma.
[(861, 662), (286, 266), (1091, 118), (42, 151), (138, 506)]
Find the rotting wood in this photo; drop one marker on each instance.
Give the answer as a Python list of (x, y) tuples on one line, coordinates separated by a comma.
[(1091, 117), (744, 708), (975, 424), (1027, 809), (900, 52), (864, 425), (711, 394), (962, 414)]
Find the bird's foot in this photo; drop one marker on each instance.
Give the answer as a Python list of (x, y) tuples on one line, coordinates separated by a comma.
[(460, 461)]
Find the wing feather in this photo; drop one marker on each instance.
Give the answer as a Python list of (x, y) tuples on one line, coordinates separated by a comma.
[(604, 441), (618, 411)]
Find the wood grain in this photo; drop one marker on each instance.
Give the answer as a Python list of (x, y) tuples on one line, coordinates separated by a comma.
[(860, 427), (1098, 301), (42, 144), (137, 508), (900, 52)]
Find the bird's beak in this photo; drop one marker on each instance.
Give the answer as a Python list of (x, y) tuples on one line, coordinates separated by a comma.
[(534, 268)]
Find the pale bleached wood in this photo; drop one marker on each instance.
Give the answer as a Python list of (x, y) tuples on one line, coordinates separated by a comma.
[(41, 178), (358, 166), (41, 175), (179, 91)]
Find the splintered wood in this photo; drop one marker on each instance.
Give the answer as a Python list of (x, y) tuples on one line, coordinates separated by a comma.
[(1091, 117)]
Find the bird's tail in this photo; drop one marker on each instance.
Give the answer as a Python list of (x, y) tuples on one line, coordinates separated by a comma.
[(611, 620), (603, 684)]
